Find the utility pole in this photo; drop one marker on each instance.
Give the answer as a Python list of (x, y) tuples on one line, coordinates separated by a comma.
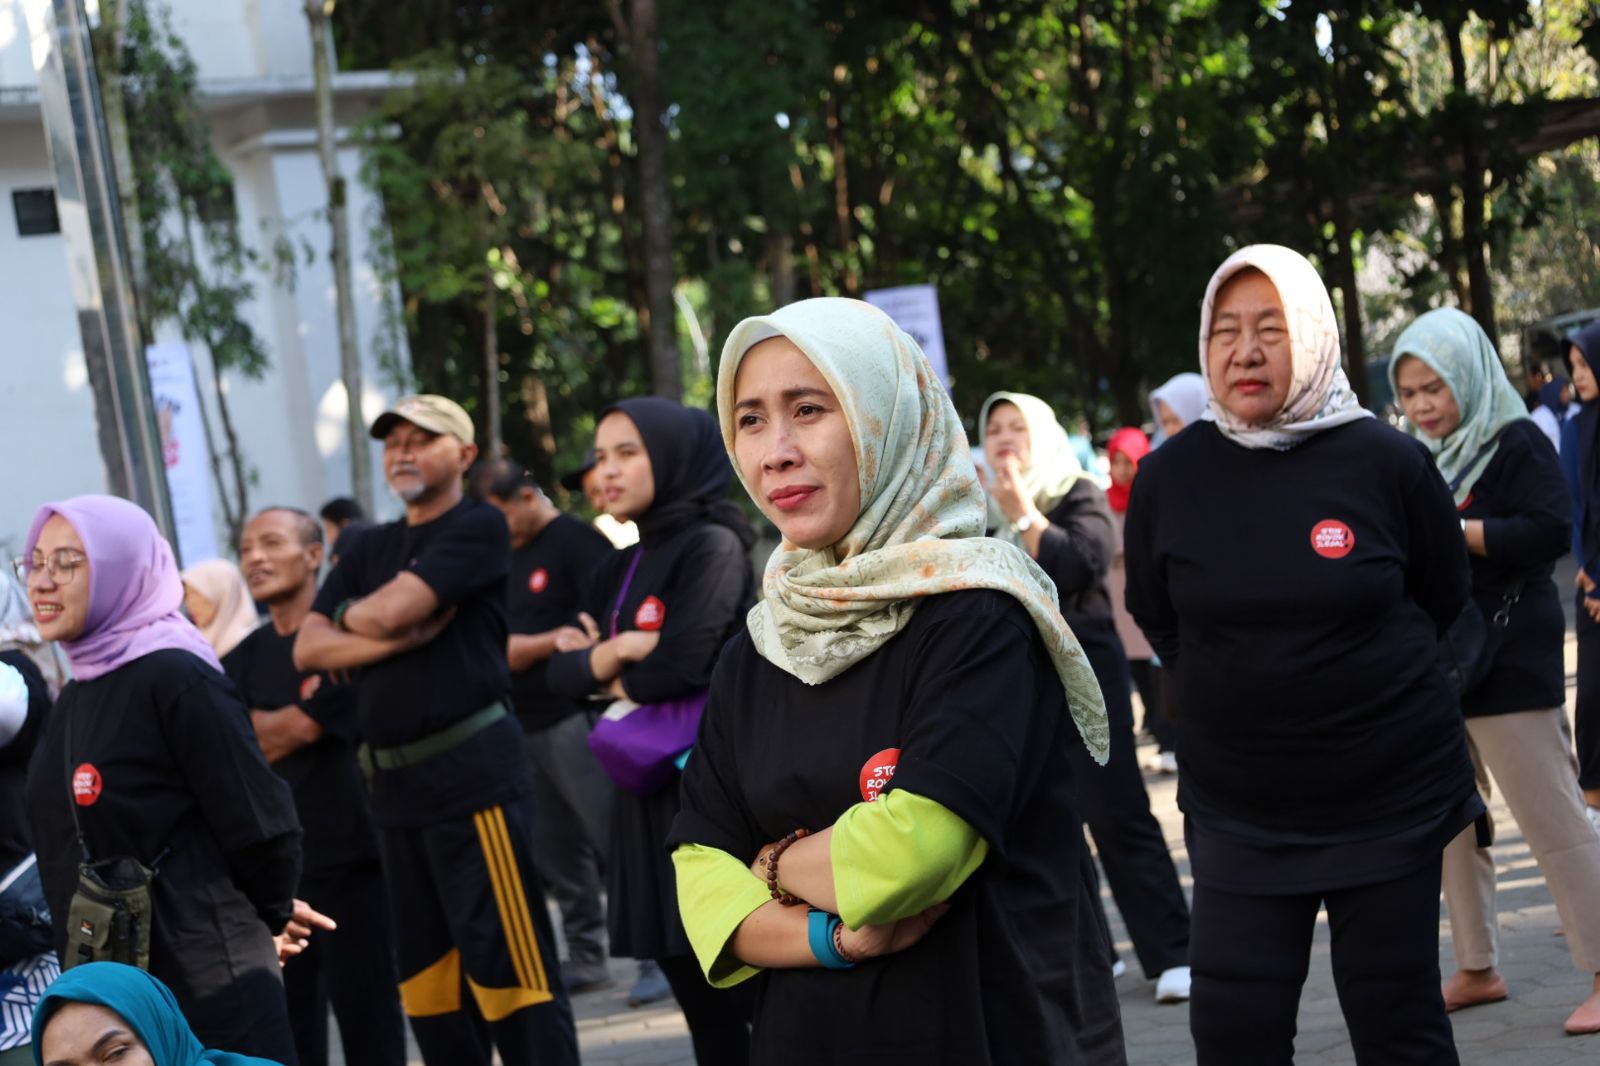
[(319, 12), (98, 264)]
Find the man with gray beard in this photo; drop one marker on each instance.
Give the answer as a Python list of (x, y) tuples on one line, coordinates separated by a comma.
[(418, 606)]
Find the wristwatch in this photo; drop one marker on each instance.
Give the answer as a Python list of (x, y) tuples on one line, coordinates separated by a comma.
[(1027, 521)]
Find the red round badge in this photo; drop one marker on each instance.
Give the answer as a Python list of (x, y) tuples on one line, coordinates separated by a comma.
[(309, 685), (1332, 539), (876, 772), (539, 580), (86, 785), (651, 614)]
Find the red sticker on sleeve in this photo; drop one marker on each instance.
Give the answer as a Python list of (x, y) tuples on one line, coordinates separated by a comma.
[(652, 613), (86, 785), (877, 771), (539, 580), (1332, 539)]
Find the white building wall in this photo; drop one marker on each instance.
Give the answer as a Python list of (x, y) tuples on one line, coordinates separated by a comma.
[(254, 61), (46, 407)]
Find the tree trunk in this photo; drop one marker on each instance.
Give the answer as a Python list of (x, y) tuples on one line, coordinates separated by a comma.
[(491, 366), (841, 190), (1344, 278), (536, 409), (1449, 258), (644, 92), (1474, 240), (780, 264), (113, 29), (319, 12)]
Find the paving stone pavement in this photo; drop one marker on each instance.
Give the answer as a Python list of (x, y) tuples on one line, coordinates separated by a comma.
[(1523, 1031)]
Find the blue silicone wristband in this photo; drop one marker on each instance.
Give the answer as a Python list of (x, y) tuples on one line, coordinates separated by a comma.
[(819, 929)]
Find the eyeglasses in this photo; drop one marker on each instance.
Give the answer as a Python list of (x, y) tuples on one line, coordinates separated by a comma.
[(62, 565)]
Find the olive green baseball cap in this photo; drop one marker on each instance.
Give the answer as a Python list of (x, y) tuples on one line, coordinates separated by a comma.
[(436, 414)]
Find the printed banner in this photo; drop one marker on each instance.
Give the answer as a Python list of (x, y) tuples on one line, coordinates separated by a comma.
[(183, 449), (915, 308)]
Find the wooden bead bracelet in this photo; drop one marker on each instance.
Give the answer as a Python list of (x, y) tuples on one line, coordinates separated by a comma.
[(772, 867)]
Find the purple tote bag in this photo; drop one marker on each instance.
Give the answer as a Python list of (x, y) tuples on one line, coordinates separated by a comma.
[(639, 744)]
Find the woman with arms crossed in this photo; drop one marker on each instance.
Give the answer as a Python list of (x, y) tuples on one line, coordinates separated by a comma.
[(886, 742)]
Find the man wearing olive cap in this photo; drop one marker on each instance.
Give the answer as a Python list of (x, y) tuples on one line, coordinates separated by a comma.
[(419, 606)]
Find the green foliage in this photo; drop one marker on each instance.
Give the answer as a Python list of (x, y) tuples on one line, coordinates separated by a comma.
[(1068, 172), (196, 267)]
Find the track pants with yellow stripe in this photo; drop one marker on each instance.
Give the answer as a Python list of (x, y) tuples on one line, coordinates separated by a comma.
[(476, 953)]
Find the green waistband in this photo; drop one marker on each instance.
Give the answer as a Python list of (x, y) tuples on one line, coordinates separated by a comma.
[(438, 743)]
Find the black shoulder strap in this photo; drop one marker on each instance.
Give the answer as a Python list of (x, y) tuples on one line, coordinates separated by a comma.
[(72, 792)]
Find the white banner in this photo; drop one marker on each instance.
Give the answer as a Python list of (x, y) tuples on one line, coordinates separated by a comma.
[(183, 449), (915, 308)]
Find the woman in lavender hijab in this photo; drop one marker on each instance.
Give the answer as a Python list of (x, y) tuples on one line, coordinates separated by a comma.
[(148, 755)]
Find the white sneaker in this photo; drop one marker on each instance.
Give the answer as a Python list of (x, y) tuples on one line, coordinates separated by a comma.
[(1173, 985), (1118, 968), (1168, 763)]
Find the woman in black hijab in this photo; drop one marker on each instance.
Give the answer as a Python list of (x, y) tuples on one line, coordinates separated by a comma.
[(1580, 456), (658, 616)]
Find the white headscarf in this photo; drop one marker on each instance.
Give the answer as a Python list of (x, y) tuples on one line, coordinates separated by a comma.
[(1185, 394), (1320, 396), (920, 530), (1053, 466), (220, 582)]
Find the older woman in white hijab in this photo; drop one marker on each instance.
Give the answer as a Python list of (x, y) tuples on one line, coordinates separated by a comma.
[(889, 740), (1294, 560)]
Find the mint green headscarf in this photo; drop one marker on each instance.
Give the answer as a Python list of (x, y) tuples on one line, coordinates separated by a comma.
[(1456, 348), (920, 531)]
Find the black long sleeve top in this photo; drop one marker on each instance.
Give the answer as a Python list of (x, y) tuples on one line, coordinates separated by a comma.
[(1077, 549), (1527, 524), (1300, 596), (693, 587)]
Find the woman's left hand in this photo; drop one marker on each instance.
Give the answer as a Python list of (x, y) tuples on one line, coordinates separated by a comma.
[(872, 941), (1006, 488), (296, 936)]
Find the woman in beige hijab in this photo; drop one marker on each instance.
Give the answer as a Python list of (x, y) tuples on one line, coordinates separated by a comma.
[(218, 603)]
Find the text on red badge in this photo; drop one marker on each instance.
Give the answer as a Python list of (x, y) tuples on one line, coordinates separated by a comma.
[(1332, 539), (877, 771)]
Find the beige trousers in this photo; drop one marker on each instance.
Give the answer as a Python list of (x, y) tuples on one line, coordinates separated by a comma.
[(1530, 755)]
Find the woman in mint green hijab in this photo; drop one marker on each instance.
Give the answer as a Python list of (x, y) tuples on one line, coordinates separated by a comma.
[(879, 812), (108, 1012), (1516, 520)]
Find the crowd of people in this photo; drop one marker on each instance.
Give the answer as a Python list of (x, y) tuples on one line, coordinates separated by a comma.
[(841, 800)]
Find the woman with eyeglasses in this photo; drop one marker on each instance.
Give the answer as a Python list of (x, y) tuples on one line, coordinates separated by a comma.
[(148, 756)]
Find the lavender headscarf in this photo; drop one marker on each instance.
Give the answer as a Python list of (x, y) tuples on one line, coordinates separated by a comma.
[(134, 590)]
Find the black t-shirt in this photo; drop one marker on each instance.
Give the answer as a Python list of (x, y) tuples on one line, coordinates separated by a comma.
[(14, 836), (1299, 596), (461, 555), (323, 775), (545, 589), (161, 766), (965, 702), (1523, 501)]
